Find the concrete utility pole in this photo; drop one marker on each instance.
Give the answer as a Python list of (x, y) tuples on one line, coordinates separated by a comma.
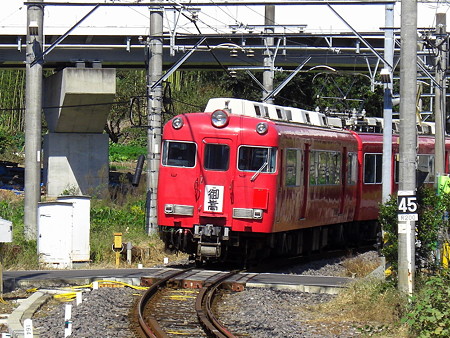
[(154, 113), (387, 108), (33, 103), (439, 93), (408, 143), (268, 74)]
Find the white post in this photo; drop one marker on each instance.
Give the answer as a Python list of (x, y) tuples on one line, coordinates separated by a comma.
[(28, 328), (67, 321), (79, 297)]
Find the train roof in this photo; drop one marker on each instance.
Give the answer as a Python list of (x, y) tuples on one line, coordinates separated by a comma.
[(355, 121)]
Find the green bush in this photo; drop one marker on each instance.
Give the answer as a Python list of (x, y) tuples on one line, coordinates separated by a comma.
[(431, 222), (20, 253), (122, 152), (107, 218), (429, 313), (10, 145)]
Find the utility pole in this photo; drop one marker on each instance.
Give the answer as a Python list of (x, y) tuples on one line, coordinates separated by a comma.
[(387, 106), (408, 145), (268, 73), (33, 110), (439, 94), (155, 52)]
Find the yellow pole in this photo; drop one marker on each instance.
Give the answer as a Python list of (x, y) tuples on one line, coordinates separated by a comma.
[(117, 246)]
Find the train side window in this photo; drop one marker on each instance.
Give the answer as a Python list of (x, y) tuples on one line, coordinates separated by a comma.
[(323, 169), (372, 168), (397, 168), (179, 154), (313, 165), (425, 168), (352, 171), (335, 167), (261, 159), (293, 167), (217, 156)]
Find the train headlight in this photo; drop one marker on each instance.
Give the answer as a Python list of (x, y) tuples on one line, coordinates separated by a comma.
[(177, 122), (261, 128), (219, 118)]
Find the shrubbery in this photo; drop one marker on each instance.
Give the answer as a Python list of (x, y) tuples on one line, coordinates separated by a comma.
[(107, 217), (432, 208), (428, 314), (122, 152)]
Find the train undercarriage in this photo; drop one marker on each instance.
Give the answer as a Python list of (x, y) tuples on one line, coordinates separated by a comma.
[(209, 243)]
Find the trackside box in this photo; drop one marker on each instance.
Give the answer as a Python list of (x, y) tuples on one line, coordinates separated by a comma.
[(5, 231)]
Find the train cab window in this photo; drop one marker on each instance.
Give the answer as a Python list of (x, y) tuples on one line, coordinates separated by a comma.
[(352, 168), (217, 156), (179, 154), (293, 168), (260, 159), (373, 164)]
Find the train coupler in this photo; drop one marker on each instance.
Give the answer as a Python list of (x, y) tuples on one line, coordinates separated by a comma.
[(209, 231)]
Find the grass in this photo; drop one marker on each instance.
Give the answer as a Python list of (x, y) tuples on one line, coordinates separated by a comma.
[(373, 306), (124, 213), (359, 266)]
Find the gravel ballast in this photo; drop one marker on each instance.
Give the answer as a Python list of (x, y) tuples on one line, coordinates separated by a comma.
[(255, 312)]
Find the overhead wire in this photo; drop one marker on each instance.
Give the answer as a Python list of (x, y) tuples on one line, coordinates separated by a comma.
[(11, 14)]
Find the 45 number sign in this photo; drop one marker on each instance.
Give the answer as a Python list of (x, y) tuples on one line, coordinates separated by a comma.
[(407, 206)]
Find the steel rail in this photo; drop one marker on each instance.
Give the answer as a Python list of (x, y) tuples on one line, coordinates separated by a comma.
[(151, 328), (203, 308)]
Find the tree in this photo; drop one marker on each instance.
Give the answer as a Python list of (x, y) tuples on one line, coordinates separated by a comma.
[(130, 83)]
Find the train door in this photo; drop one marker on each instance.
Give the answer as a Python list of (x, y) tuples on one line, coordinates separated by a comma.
[(291, 189), (305, 182), (343, 180), (215, 182)]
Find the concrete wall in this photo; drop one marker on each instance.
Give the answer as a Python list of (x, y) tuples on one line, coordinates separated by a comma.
[(75, 161)]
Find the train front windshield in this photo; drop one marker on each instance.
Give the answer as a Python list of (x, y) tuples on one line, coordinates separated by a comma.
[(179, 154), (217, 156), (257, 159)]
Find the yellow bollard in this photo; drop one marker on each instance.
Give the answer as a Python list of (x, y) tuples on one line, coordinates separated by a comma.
[(117, 246), (445, 255)]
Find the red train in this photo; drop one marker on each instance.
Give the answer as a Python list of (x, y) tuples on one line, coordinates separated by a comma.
[(247, 179)]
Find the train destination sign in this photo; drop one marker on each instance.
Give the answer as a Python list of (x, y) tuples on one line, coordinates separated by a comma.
[(407, 206)]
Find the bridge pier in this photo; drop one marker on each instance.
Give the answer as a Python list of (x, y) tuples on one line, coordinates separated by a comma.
[(76, 105)]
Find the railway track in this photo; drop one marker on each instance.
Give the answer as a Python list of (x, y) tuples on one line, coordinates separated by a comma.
[(169, 309)]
